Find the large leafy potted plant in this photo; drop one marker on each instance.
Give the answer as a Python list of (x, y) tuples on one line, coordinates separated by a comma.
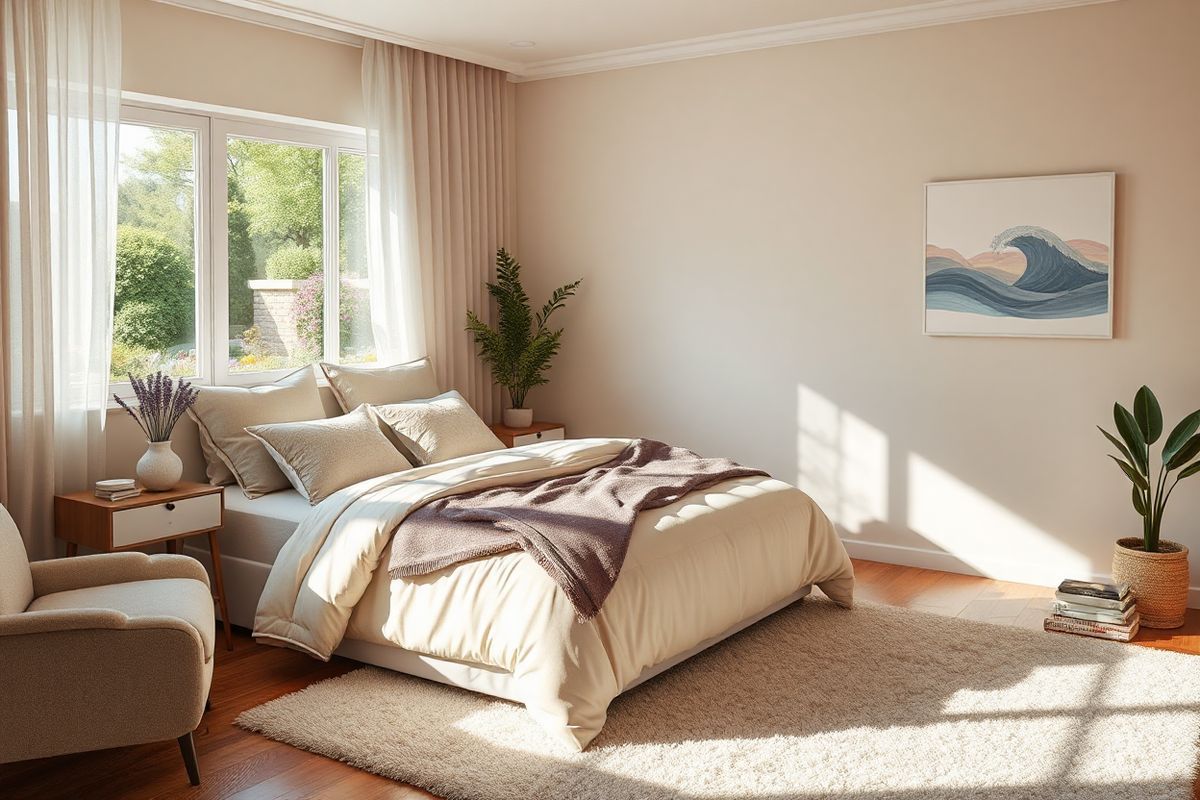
[(519, 349), (1156, 569)]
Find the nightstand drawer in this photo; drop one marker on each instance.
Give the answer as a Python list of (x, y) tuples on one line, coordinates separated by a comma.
[(170, 518), (554, 434)]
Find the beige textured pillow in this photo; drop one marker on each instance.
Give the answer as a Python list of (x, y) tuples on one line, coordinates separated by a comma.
[(224, 412), (218, 473), (354, 386), (324, 455), (439, 428)]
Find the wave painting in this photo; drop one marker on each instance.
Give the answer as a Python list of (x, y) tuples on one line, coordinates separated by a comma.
[(1029, 281)]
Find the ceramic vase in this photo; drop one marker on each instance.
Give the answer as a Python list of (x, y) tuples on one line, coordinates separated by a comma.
[(518, 417), (159, 468)]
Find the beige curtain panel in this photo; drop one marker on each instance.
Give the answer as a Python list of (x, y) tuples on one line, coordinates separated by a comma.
[(440, 172), (58, 160)]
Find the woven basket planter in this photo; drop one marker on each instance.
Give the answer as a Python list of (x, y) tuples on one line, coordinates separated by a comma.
[(1158, 580)]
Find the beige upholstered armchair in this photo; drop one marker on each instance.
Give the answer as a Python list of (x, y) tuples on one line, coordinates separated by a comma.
[(101, 651)]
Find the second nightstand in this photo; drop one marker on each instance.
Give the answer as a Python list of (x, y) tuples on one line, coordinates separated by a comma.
[(190, 509), (537, 432)]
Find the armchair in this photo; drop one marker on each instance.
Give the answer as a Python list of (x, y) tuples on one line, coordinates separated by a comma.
[(101, 651)]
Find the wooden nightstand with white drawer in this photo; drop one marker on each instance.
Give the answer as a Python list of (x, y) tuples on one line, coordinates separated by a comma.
[(190, 509), (537, 432)]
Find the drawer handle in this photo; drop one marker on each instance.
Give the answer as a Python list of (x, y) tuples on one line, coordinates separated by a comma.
[(539, 434), (169, 506)]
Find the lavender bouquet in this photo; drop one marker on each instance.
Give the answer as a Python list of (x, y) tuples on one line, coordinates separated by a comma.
[(160, 404)]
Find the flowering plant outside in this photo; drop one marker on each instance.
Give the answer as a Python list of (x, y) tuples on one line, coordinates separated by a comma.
[(161, 403), (354, 305)]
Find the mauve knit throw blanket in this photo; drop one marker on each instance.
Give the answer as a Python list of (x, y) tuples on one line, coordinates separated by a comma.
[(576, 527)]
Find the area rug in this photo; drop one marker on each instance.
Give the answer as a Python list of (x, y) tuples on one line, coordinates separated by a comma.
[(813, 702)]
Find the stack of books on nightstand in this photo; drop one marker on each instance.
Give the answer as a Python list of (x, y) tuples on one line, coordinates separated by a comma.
[(1102, 610), (117, 489)]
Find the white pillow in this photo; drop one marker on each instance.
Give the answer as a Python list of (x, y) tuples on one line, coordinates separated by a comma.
[(438, 429), (224, 412), (324, 455), (354, 386)]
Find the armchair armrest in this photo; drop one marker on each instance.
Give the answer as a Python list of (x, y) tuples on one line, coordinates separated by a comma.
[(82, 572), (90, 619)]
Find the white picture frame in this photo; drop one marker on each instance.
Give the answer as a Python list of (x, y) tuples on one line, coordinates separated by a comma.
[(1038, 258)]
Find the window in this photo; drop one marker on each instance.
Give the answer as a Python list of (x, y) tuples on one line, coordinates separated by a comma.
[(237, 239), (154, 319)]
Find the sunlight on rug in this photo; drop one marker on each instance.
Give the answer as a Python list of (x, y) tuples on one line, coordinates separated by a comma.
[(813, 702)]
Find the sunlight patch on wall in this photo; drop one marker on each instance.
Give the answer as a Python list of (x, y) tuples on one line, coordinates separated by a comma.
[(976, 529), (842, 462)]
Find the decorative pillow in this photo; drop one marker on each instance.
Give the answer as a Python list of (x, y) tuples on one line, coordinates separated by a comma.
[(324, 455), (439, 428), (354, 386), (224, 412)]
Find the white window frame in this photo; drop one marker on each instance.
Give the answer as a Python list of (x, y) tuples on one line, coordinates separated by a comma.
[(214, 126)]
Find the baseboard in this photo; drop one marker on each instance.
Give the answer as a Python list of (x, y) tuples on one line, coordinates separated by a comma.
[(1015, 571)]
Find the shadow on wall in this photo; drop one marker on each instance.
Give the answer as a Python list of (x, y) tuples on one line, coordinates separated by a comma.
[(922, 515)]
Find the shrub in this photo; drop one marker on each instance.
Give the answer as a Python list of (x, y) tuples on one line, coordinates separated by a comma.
[(143, 325), (291, 262), (154, 282)]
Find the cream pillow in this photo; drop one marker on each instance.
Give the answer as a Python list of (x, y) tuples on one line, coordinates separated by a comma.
[(324, 455), (354, 386), (224, 412), (439, 428)]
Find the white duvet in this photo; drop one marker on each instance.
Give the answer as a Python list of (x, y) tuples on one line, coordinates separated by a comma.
[(694, 570)]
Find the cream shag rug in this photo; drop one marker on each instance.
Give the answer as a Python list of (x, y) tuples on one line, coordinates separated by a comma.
[(814, 702)]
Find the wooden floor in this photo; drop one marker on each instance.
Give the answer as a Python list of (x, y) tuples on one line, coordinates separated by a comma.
[(237, 764)]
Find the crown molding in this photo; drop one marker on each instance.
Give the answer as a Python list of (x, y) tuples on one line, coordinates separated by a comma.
[(940, 12), (323, 26), (273, 14)]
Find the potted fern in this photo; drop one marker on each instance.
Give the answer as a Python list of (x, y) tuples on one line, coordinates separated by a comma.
[(519, 349), (1156, 569)]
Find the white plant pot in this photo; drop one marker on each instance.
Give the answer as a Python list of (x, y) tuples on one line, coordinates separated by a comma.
[(159, 468), (518, 417)]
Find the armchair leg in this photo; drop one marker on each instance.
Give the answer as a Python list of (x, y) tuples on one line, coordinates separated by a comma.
[(187, 746)]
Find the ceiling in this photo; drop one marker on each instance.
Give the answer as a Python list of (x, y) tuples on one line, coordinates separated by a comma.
[(571, 36)]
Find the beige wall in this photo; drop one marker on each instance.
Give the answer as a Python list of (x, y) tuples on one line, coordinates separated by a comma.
[(190, 55), (750, 229)]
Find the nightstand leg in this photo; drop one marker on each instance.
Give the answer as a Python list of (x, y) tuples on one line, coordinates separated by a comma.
[(172, 546), (72, 549), (219, 585)]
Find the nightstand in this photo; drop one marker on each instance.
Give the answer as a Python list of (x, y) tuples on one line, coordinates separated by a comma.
[(190, 509), (537, 432)]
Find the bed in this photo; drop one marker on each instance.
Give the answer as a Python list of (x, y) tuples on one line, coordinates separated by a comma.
[(697, 571)]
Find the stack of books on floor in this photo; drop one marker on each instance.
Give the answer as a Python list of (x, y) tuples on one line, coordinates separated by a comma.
[(1102, 610), (117, 489)]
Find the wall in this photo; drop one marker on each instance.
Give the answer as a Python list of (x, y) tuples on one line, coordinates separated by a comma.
[(750, 229), (188, 55), (179, 53)]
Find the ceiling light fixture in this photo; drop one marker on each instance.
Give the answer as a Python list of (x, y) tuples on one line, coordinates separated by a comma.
[(522, 43)]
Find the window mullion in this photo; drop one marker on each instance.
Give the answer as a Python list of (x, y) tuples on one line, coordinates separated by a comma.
[(219, 191), (330, 247)]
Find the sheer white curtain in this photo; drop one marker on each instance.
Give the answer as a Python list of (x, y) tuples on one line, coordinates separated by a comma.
[(62, 98), (440, 159)]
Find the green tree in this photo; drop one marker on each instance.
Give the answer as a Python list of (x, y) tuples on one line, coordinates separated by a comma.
[(282, 188), (157, 188), (242, 265)]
